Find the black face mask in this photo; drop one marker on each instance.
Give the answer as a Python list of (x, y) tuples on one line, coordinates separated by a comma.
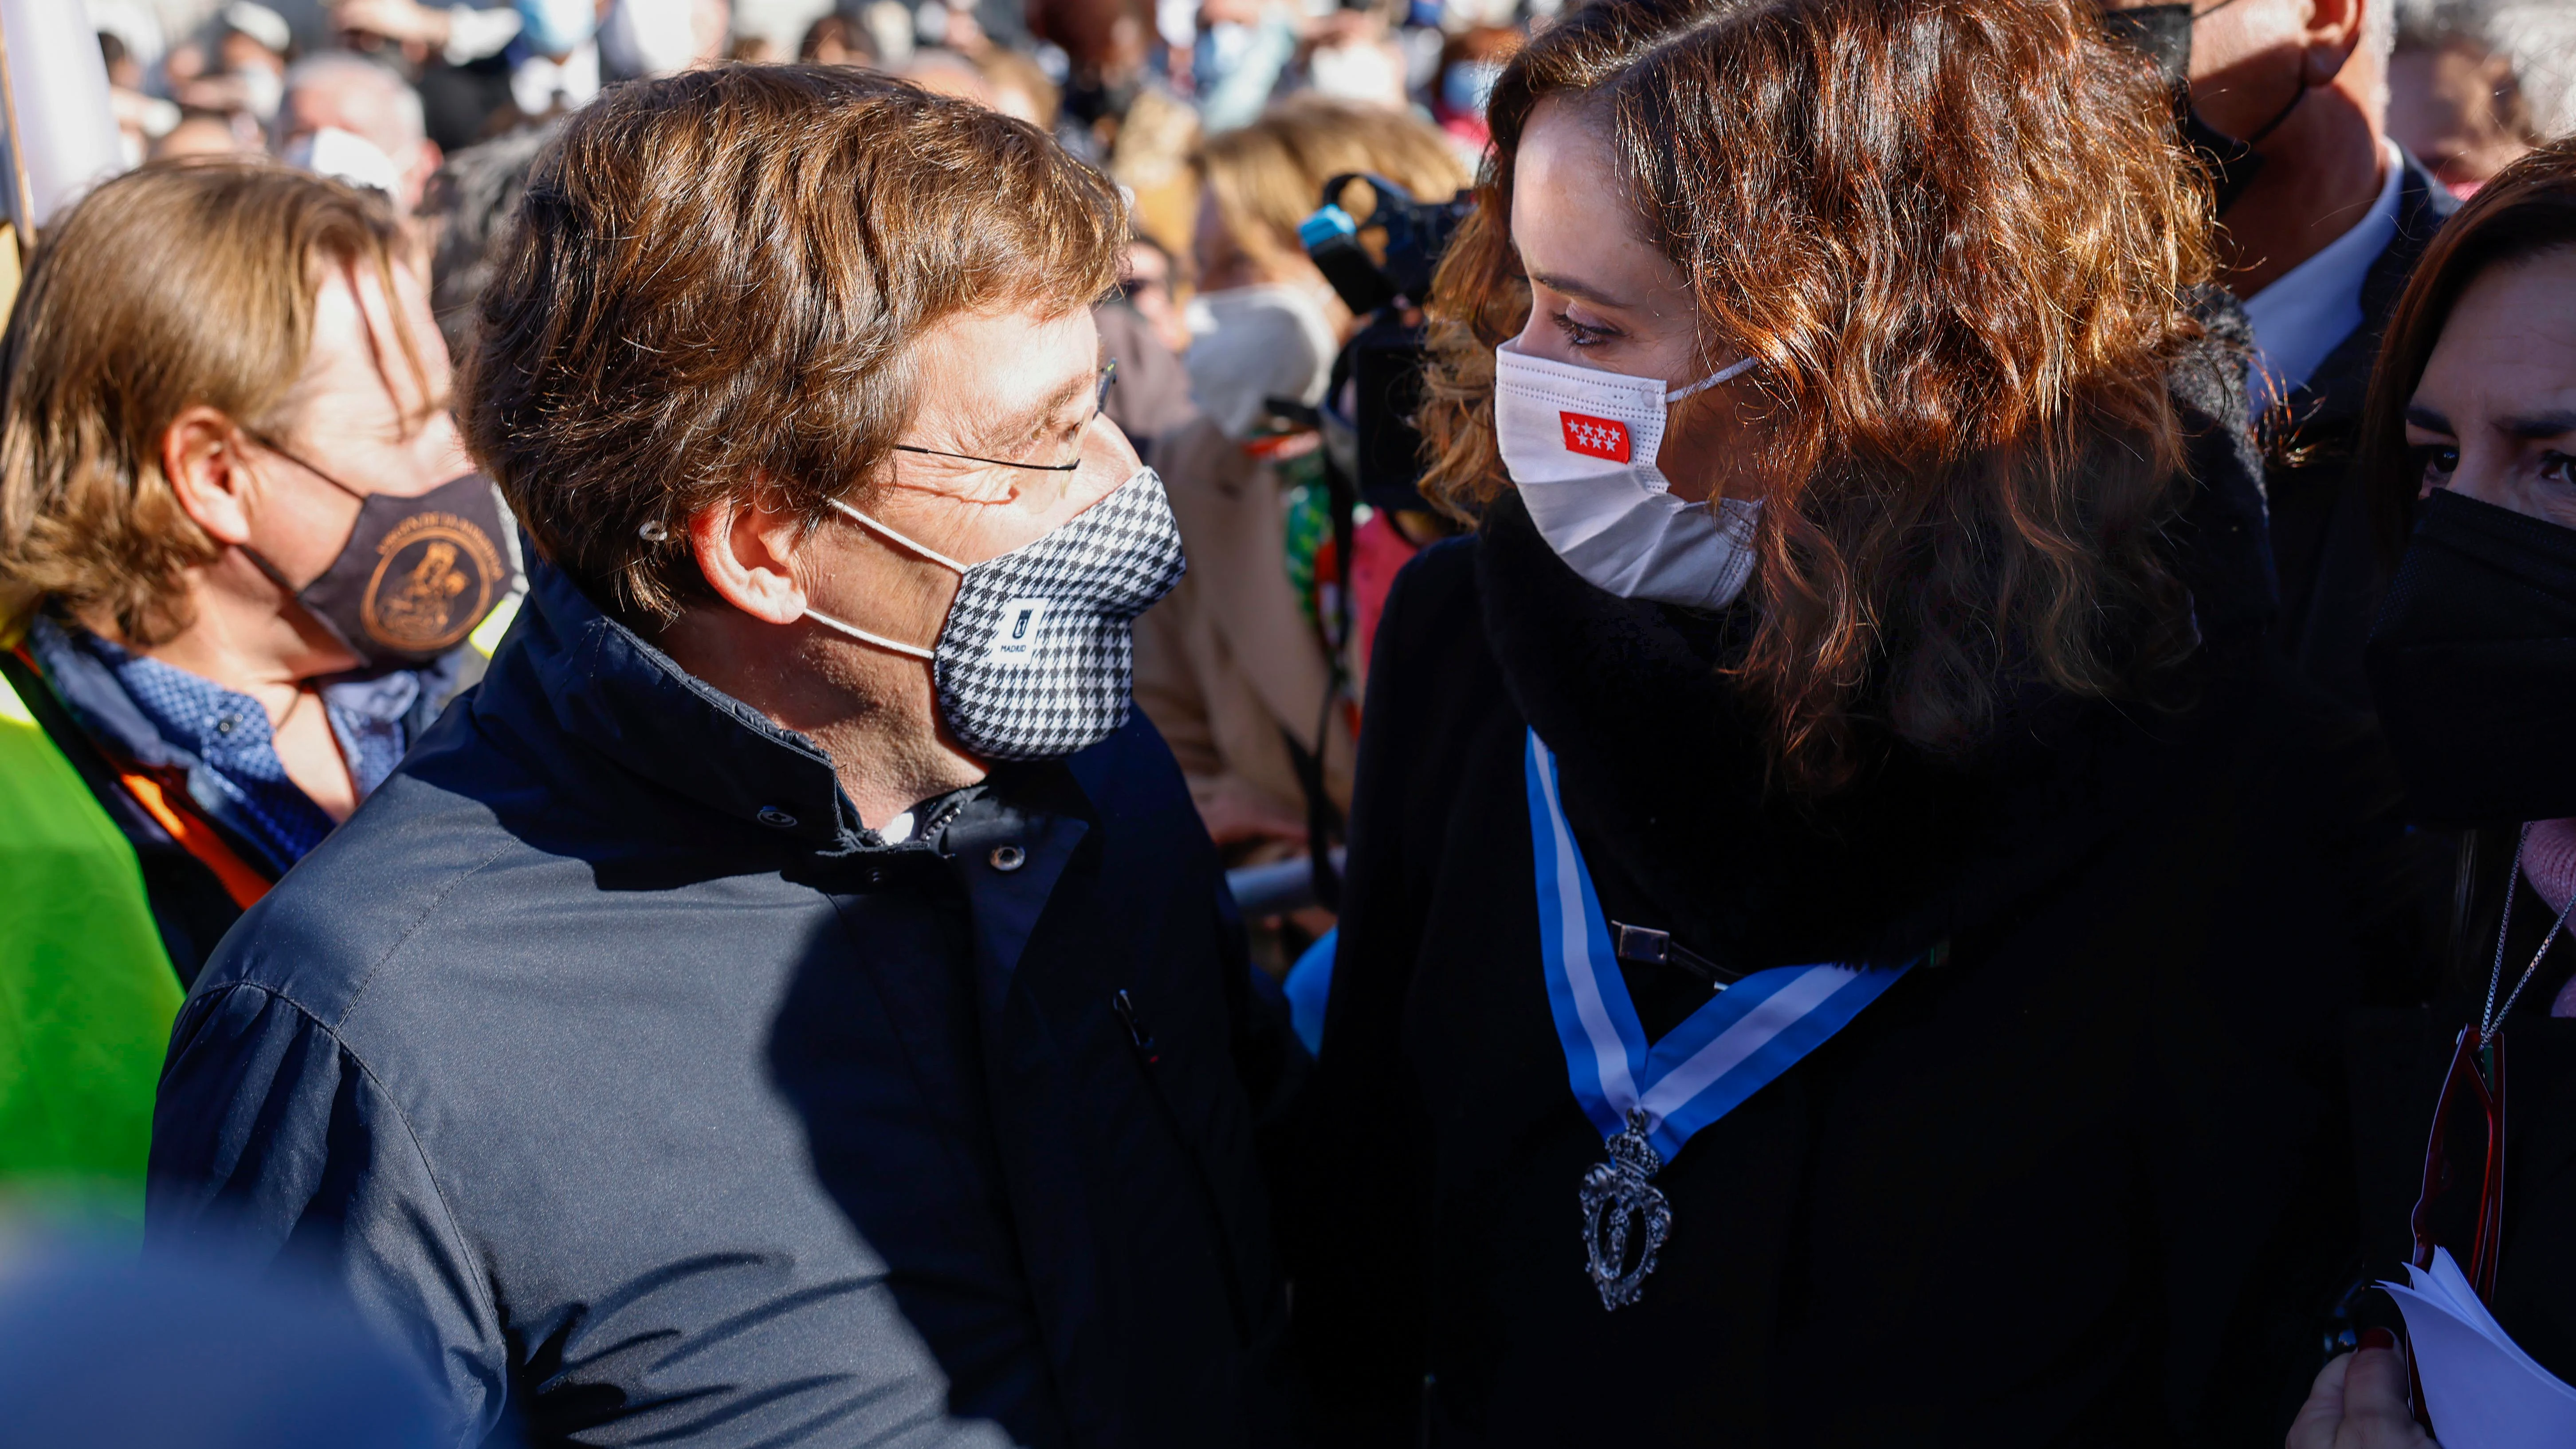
[(2473, 665), (416, 575), (2162, 33)]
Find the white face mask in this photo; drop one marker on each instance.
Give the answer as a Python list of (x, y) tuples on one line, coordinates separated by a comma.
[(1580, 445), (1251, 344), (344, 156)]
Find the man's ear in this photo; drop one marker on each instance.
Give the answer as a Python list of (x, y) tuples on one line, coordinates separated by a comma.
[(747, 548), (201, 456), (2334, 31)]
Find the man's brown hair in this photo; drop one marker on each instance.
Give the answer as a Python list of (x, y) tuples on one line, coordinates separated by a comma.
[(714, 283), (179, 285)]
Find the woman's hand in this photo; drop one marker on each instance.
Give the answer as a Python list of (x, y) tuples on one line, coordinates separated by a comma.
[(2359, 1402)]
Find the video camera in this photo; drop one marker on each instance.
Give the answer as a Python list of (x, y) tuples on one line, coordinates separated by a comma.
[(1381, 368), (1372, 451)]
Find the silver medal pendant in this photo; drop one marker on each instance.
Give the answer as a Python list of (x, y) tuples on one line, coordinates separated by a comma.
[(1614, 1193)]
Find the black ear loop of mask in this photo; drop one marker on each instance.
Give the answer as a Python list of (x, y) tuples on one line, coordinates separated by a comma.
[(275, 576), (338, 599), (2163, 34)]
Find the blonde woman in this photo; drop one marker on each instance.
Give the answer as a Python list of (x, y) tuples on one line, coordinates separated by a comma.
[(1238, 668)]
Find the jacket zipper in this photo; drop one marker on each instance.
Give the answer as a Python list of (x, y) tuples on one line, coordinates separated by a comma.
[(1149, 1056), (1125, 1006)]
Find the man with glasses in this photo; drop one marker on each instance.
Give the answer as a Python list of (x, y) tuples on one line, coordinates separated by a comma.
[(792, 1000)]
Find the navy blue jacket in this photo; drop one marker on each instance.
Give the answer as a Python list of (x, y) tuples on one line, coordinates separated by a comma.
[(649, 1099), (2326, 527)]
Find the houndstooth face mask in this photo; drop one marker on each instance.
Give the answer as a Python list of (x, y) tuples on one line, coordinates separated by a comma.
[(1037, 655)]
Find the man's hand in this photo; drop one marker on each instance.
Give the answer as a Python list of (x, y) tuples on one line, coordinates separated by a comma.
[(1235, 813), (399, 20), (2359, 1402)]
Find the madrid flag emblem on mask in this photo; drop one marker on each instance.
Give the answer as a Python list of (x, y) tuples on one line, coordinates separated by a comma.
[(1594, 437)]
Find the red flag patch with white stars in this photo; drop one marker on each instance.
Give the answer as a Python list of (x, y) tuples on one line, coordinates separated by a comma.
[(1595, 437)]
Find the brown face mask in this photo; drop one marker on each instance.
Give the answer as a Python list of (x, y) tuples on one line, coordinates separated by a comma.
[(416, 575)]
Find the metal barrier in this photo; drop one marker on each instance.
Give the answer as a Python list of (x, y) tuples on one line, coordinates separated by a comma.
[(1277, 888)]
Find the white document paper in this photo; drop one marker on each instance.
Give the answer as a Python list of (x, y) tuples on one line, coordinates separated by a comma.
[(2482, 1391)]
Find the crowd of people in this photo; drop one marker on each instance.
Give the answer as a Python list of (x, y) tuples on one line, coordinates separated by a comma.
[(658, 659)]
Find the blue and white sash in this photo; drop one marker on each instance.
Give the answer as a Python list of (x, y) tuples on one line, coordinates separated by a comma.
[(1745, 1036)]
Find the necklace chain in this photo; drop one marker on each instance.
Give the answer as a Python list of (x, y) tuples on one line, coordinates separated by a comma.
[(2491, 1020)]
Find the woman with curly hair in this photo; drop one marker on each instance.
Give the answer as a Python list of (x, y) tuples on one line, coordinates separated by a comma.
[(1841, 930)]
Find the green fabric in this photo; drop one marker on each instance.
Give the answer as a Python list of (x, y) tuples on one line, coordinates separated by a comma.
[(87, 993), (1308, 502)]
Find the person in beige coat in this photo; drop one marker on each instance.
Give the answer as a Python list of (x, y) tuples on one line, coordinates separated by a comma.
[(1235, 667), (1228, 667)]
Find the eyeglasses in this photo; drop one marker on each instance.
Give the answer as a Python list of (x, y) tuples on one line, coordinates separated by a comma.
[(2466, 1148), (2468, 1118), (1099, 404)]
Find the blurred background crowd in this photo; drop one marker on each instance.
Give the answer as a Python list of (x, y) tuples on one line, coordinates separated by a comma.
[(1134, 85)]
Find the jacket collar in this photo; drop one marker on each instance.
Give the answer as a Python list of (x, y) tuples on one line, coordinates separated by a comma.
[(85, 673), (600, 683), (90, 691), (2331, 398)]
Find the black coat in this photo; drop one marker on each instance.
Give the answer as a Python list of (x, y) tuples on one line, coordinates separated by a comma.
[(2329, 534), (620, 1076), (2056, 1190)]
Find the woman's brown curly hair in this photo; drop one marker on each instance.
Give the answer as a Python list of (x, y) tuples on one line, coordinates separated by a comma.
[(1959, 237)]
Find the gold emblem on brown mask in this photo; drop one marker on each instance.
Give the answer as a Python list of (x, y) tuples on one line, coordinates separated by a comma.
[(435, 573)]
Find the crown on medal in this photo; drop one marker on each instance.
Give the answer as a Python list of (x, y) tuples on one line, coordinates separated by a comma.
[(1631, 1150)]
